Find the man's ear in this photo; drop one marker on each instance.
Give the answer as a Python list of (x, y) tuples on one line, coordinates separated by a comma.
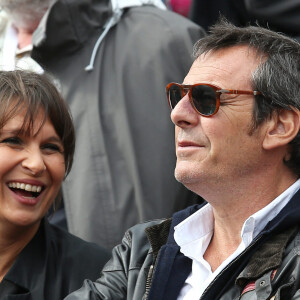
[(281, 128)]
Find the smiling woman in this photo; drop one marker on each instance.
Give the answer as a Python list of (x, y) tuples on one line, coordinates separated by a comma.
[(32, 169), (37, 143)]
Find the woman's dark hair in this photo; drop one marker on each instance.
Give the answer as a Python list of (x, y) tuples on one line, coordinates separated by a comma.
[(35, 93), (277, 76)]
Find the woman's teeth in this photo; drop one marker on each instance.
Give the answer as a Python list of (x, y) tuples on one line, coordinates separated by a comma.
[(26, 187)]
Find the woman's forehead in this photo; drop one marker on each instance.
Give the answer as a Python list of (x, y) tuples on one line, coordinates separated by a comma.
[(25, 120)]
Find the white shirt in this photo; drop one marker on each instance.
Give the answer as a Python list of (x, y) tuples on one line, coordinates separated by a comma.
[(195, 232)]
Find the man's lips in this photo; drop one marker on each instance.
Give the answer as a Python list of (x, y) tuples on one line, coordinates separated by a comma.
[(184, 144)]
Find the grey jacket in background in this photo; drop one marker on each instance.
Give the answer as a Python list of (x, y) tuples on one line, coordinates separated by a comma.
[(124, 159)]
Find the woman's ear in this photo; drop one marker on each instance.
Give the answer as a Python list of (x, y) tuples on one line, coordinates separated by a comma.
[(282, 128)]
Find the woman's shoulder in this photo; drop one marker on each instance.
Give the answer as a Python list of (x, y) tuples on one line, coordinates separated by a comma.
[(71, 247)]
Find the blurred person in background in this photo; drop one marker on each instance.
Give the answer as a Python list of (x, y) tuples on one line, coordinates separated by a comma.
[(277, 15), (283, 16)]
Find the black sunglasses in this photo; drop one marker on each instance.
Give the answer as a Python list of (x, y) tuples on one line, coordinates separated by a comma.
[(205, 98)]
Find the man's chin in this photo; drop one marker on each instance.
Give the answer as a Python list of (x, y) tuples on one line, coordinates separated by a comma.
[(185, 175)]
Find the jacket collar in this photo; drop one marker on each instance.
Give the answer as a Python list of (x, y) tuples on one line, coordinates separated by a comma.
[(121, 4), (287, 217), (268, 258), (172, 266), (283, 226), (162, 233)]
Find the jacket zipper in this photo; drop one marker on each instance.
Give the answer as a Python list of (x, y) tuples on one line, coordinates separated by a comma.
[(149, 278), (148, 283)]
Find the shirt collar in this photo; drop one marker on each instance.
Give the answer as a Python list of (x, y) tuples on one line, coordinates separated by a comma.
[(200, 225), (261, 218)]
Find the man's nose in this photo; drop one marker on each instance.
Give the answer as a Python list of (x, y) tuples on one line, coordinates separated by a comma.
[(33, 162), (184, 114)]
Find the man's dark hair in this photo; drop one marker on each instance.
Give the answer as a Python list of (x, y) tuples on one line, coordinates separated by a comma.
[(34, 93), (277, 76)]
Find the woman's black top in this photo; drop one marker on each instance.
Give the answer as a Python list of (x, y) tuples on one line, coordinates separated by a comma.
[(52, 265)]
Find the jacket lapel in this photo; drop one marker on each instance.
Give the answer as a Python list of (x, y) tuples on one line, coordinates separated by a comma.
[(172, 266)]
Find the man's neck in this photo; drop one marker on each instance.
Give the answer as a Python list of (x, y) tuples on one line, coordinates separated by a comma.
[(233, 208), (219, 249)]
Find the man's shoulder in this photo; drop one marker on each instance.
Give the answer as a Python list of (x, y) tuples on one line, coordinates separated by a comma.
[(159, 228), (139, 230), (154, 12), (165, 20), (182, 214)]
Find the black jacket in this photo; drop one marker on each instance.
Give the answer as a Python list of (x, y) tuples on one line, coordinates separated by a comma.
[(149, 265), (277, 15), (51, 266)]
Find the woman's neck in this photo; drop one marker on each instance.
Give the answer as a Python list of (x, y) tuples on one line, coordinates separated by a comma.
[(12, 241)]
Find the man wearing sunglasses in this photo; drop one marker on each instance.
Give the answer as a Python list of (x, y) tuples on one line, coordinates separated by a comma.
[(237, 123)]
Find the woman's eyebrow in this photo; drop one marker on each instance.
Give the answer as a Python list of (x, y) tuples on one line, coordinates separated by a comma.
[(14, 131), (54, 139)]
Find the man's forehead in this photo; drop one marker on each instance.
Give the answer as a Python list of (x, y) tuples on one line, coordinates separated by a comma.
[(223, 66)]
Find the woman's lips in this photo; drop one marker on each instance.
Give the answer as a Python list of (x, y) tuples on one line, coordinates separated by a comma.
[(26, 193)]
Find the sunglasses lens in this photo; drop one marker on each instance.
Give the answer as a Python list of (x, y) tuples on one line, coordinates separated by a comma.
[(174, 95), (204, 99)]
